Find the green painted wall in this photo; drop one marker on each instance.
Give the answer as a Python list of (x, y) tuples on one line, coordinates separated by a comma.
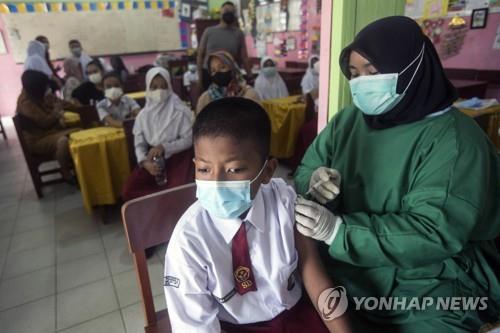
[(349, 17)]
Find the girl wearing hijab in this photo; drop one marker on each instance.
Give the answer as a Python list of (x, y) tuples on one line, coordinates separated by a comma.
[(310, 81), (73, 77), (36, 59), (163, 129), (269, 84), (416, 213), (41, 115), (227, 81), (92, 91)]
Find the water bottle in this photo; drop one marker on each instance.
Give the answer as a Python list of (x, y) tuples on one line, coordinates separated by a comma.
[(161, 178)]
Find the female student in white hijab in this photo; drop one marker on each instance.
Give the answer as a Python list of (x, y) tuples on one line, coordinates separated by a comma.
[(310, 81), (163, 129), (269, 84), (35, 59)]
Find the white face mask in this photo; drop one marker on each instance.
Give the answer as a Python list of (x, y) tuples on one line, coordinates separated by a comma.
[(113, 93), (192, 68), (316, 67), (76, 51), (95, 78), (158, 95)]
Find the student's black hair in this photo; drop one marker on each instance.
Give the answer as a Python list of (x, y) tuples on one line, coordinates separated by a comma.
[(41, 38), (237, 118), (114, 74), (75, 41), (228, 3), (96, 62)]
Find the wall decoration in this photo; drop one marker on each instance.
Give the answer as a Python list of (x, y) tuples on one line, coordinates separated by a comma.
[(457, 5), (476, 4), (479, 18), (433, 29), (291, 43), (294, 15), (452, 41), (435, 8), (496, 41)]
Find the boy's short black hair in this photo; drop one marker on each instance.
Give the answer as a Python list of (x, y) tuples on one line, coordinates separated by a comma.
[(74, 41), (96, 62), (114, 74), (238, 118), (228, 3)]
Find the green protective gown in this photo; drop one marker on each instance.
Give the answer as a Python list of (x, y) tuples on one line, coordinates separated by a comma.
[(421, 207)]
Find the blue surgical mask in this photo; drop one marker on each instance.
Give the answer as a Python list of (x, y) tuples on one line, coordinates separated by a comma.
[(269, 71), (225, 199), (376, 94)]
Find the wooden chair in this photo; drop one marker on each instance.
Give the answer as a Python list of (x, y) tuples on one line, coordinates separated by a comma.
[(296, 64), (88, 116), (150, 221), (135, 82), (128, 126), (35, 161), (2, 130), (194, 94)]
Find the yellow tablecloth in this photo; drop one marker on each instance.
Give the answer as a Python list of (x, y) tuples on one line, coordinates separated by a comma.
[(287, 117), (101, 163), (137, 95), (493, 123), (71, 119)]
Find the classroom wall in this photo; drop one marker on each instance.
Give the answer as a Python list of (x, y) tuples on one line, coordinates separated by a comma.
[(10, 74)]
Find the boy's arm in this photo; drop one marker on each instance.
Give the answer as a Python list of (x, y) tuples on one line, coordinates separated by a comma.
[(110, 121), (316, 280)]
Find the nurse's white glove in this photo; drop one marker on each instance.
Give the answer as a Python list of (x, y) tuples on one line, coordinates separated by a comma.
[(316, 221), (324, 184)]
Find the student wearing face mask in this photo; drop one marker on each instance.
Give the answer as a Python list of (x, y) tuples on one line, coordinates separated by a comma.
[(226, 36), (116, 107), (269, 83), (42, 121), (310, 81), (405, 189), (45, 41), (92, 91), (226, 81), (163, 129), (76, 50)]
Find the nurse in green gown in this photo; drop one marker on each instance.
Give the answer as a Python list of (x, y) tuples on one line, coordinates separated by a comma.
[(404, 190)]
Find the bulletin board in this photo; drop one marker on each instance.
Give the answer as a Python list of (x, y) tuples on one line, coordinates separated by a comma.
[(101, 32)]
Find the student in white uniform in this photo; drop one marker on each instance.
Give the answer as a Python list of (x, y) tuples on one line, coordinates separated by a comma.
[(233, 262), (116, 107), (269, 84), (190, 76), (310, 81)]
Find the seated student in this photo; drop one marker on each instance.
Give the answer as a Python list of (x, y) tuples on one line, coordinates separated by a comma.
[(90, 92), (36, 60), (73, 77), (45, 41), (269, 83), (118, 66), (75, 47), (310, 81), (191, 76), (226, 81), (116, 107), (41, 116), (162, 129), (233, 259)]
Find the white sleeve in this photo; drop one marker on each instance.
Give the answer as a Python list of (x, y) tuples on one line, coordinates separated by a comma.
[(133, 105), (140, 144), (186, 80), (191, 306), (184, 139), (102, 111)]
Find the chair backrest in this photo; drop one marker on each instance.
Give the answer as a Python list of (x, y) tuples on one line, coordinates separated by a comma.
[(137, 81), (461, 73), (150, 221), (128, 126), (296, 64), (88, 116), (17, 120)]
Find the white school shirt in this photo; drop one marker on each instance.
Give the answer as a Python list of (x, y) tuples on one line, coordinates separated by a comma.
[(189, 77), (120, 112), (199, 283)]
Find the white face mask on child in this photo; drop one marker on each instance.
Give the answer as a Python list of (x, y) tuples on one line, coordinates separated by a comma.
[(95, 78), (157, 95), (113, 93)]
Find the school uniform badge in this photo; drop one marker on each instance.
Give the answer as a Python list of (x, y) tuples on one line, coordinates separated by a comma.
[(171, 281)]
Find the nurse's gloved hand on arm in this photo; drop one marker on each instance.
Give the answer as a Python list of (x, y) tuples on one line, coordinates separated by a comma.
[(324, 184), (316, 221)]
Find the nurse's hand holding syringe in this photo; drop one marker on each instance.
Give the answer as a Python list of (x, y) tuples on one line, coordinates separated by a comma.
[(324, 184)]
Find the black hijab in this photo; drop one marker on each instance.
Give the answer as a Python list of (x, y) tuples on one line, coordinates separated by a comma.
[(391, 44), (35, 85)]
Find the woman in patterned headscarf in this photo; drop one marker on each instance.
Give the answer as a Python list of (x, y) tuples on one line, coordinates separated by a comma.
[(226, 81)]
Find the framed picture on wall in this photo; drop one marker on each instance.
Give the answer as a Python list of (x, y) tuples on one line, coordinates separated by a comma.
[(479, 18)]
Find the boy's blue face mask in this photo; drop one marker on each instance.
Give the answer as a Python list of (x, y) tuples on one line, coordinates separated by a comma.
[(225, 199), (376, 94)]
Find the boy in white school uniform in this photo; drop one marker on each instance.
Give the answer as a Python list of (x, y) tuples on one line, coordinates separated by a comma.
[(234, 262)]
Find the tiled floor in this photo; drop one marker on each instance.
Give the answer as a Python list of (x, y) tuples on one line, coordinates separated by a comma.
[(60, 269)]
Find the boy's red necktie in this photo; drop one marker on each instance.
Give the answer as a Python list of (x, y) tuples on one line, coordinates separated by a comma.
[(244, 280)]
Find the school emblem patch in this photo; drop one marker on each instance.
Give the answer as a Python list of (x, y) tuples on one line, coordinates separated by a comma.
[(242, 276)]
